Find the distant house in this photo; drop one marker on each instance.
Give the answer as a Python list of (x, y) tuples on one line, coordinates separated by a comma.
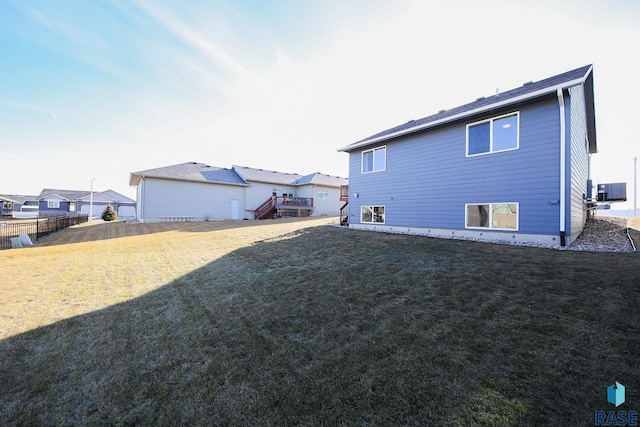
[(514, 167), (196, 191), (64, 202), (14, 205)]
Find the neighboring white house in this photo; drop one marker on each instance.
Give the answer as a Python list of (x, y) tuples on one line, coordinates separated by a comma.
[(196, 191)]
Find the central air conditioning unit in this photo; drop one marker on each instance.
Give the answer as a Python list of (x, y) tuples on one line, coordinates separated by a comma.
[(616, 192)]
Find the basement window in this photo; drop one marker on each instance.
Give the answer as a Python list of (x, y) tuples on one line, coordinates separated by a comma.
[(372, 214), (496, 216), (494, 135)]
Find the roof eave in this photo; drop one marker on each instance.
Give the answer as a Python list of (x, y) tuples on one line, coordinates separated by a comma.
[(506, 102), (171, 178)]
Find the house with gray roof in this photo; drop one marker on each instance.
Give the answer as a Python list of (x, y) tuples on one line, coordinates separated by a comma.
[(19, 205), (195, 191), (70, 202), (514, 167)]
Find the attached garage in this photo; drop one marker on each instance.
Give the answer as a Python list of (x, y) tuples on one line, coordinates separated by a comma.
[(98, 208), (126, 212)]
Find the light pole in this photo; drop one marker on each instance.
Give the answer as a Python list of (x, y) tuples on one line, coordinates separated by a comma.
[(635, 186), (91, 201)]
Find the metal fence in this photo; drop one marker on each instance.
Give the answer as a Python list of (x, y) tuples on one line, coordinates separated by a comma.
[(37, 229)]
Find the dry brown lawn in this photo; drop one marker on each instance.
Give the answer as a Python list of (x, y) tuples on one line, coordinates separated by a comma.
[(297, 322), (95, 265)]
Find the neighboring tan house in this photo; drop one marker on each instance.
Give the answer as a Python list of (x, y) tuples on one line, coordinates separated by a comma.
[(195, 191), (514, 166), (69, 202)]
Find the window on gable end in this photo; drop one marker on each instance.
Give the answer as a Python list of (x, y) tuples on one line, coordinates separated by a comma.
[(374, 160), (494, 135)]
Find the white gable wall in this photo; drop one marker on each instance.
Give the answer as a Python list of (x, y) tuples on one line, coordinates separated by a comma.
[(329, 206), (322, 207), (162, 200), (257, 194)]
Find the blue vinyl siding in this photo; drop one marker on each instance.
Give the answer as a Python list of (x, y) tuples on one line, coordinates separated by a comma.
[(578, 161), (429, 178), (44, 206)]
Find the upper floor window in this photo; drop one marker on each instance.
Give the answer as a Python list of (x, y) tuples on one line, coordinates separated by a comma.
[(493, 135), (323, 194), (374, 160)]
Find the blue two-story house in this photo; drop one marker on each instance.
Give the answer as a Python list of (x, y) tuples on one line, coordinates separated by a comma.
[(511, 167)]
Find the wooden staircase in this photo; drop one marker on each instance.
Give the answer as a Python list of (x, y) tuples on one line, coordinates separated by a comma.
[(344, 214), (266, 210)]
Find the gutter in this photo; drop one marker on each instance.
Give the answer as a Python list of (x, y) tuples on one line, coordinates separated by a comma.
[(563, 167), (141, 197), (506, 102)]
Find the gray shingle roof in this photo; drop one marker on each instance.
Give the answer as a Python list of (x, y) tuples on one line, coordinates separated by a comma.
[(238, 175), (78, 195), (8, 198), (71, 195), (264, 175), (191, 171), (321, 179), (528, 91)]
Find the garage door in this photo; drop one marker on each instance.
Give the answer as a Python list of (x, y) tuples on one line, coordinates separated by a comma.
[(126, 212), (97, 209)]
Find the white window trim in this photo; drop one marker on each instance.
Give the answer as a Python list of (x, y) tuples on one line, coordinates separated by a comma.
[(491, 120), (466, 216), (53, 204), (384, 168), (372, 221)]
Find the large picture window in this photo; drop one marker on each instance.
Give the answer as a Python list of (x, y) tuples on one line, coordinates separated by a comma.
[(494, 135), (372, 214), (374, 160), (53, 204), (497, 216)]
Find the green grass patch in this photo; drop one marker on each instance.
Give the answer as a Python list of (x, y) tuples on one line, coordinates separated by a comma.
[(322, 325)]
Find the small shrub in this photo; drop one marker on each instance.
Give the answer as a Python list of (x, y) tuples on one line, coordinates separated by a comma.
[(109, 214)]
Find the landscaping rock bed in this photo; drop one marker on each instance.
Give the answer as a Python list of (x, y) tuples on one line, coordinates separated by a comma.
[(603, 234)]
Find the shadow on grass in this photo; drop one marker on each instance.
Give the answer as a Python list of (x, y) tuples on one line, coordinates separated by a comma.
[(327, 326)]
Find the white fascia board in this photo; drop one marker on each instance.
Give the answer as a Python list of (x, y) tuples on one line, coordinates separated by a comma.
[(134, 179), (201, 181), (54, 195), (506, 102)]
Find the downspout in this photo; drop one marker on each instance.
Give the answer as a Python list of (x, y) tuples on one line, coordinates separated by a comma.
[(141, 200), (563, 178)]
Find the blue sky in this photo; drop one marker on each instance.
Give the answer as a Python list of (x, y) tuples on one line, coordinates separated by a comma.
[(99, 89)]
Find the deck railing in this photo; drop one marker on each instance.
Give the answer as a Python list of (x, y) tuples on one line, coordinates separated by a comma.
[(344, 193), (294, 201)]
